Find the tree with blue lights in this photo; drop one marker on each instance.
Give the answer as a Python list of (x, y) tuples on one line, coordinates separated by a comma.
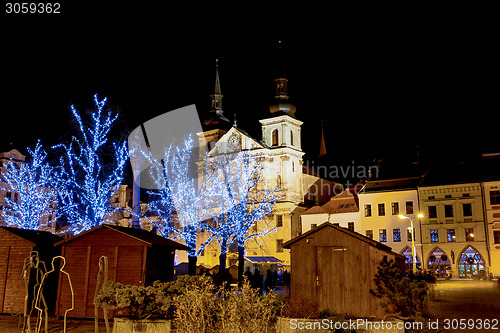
[(88, 182), (242, 203), (190, 197), (33, 181)]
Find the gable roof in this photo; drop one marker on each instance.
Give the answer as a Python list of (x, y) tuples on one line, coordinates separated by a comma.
[(141, 235), (218, 148), (34, 237), (344, 202), (365, 239), (399, 184), (314, 210)]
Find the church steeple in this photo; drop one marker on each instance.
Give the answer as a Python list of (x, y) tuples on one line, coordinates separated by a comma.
[(216, 97), (281, 88), (322, 146)]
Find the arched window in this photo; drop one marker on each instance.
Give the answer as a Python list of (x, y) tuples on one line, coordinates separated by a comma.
[(439, 263), (409, 259), (291, 137), (471, 264), (274, 137)]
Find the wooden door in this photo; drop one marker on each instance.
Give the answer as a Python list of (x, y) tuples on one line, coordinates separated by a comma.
[(330, 283)]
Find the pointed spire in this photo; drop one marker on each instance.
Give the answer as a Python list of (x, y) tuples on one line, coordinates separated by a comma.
[(322, 146), (281, 97), (217, 80), (216, 97)]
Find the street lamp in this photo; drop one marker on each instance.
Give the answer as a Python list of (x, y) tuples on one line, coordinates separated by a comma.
[(412, 230)]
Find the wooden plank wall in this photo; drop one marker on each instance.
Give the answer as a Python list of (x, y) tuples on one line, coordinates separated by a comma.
[(126, 258), (13, 251), (338, 279)]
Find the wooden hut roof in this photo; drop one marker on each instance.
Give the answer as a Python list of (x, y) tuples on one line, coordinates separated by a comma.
[(33, 237), (144, 236), (365, 239)]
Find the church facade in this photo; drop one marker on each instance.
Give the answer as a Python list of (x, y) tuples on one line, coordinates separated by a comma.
[(280, 154)]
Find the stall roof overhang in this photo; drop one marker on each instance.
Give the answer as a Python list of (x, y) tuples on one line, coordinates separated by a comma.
[(264, 260), (141, 235)]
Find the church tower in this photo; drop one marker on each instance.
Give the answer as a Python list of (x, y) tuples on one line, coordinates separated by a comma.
[(216, 97), (281, 134), (216, 118)]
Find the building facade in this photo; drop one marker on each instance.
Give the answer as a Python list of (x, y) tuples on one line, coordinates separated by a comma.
[(491, 202), (280, 154), (341, 210), (380, 204), (453, 230)]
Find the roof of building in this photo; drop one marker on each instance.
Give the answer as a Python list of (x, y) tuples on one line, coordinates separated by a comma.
[(263, 260), (341, 205), (354, 234), (314, 210), (144, 236), (35, 237), (399, 184)]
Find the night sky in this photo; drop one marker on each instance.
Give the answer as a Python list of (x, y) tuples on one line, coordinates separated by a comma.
[(382, 90)]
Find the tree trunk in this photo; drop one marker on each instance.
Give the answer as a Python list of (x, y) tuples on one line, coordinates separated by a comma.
[(192, 265), (241, 263), (222, 257)]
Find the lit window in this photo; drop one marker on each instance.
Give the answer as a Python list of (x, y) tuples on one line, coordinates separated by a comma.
[(395, 208), (451, 235), (469, 234), (368, 210), (396, 233), (382, 235), (434, 236)]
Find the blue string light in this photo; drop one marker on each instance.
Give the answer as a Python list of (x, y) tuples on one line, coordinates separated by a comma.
[(86, 184), (32, 182)]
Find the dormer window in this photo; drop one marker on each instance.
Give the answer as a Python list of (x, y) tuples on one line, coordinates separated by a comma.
[(274, 137)]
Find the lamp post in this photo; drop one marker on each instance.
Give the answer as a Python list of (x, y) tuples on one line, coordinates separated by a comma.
[(413, 251)]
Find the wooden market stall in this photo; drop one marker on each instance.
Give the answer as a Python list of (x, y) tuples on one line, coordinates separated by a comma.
[(335, 267), (15, 246), (135, 257)]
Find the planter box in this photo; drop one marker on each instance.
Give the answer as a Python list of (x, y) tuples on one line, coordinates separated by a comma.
[(124, 325)]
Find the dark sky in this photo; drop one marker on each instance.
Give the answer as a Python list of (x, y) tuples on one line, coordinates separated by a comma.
[(381, 89)]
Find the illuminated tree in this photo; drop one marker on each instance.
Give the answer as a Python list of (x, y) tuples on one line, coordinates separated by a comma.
[(86, 181), (192, 197), (32, 184), (244, 201)]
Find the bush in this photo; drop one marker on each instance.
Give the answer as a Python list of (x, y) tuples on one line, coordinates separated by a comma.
[(136, 302), (245, 310), (407, 295), (195, 304)]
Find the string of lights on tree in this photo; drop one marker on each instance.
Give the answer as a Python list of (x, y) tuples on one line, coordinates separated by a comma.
[(86, 182), (33, 204)]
